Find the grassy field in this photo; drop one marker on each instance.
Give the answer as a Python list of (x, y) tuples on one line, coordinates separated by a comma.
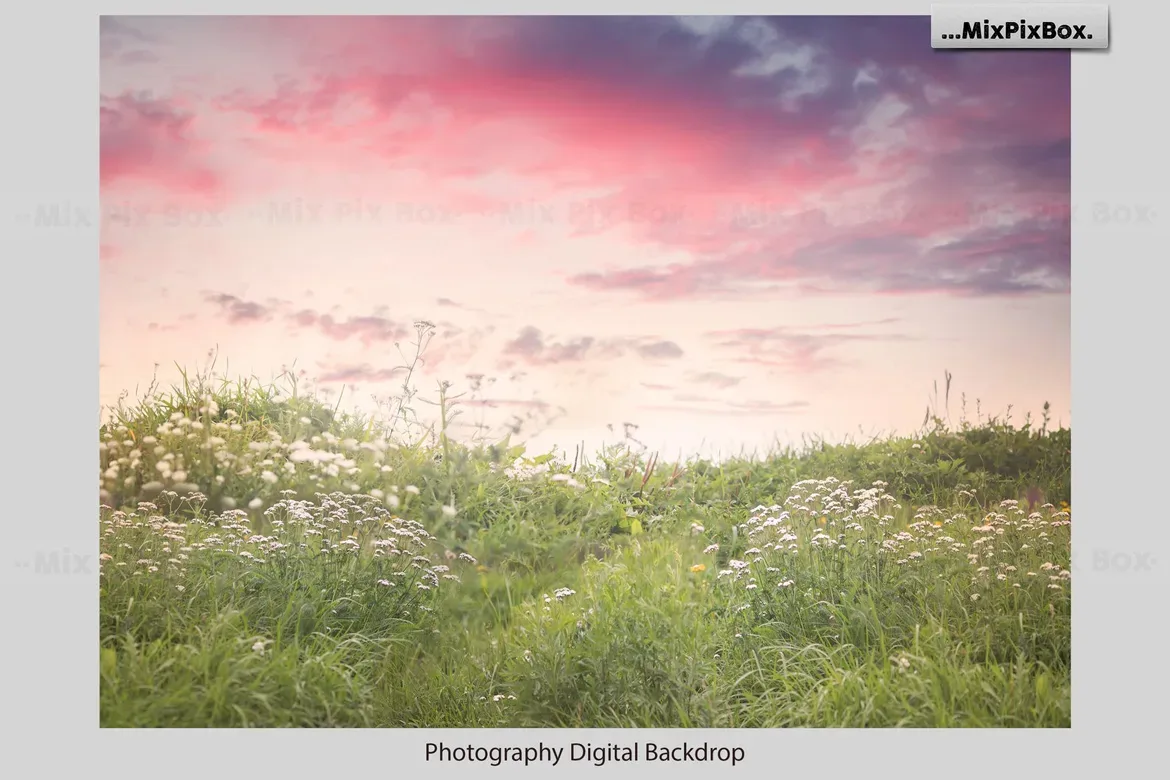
[(267, 561)]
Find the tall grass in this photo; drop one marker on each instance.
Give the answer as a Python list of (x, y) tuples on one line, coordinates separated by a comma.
[(271, 560)]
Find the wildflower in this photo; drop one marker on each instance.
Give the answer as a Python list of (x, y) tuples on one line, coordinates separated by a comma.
[(414, 491), (269, 477), (258, 647), (299, 454), (710, 549), (699, 568), (255, 503), (448, 511)]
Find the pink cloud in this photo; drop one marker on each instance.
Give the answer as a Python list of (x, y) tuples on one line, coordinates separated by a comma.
[(803, 351), (360, 374), (149, 140), (869, 186), (534, 348)]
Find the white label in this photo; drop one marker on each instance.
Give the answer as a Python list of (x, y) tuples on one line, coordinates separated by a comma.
[(1020, 26)]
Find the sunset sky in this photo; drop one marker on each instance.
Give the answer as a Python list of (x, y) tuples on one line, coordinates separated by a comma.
[(724, 230)]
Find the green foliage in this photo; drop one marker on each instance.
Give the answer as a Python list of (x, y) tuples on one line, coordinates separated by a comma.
[(270, 560)]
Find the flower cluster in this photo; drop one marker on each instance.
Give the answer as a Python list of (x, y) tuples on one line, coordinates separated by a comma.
[(241, 463), (357, 532), (825, 526)]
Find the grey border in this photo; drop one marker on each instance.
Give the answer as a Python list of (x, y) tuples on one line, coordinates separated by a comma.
[(50, 318)]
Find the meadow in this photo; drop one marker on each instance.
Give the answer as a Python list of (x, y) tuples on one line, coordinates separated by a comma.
[(270, 561)]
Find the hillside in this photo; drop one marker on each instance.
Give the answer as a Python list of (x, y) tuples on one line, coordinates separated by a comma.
[(270, 561)]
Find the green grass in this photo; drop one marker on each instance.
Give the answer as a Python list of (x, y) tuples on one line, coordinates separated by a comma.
[(268, 560)]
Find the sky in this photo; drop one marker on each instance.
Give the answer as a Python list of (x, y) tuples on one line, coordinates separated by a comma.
[(729, 232)]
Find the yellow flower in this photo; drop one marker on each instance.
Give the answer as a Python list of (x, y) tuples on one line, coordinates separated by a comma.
[(823, 520), (481, 568), (699, 567), (938, 524)]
